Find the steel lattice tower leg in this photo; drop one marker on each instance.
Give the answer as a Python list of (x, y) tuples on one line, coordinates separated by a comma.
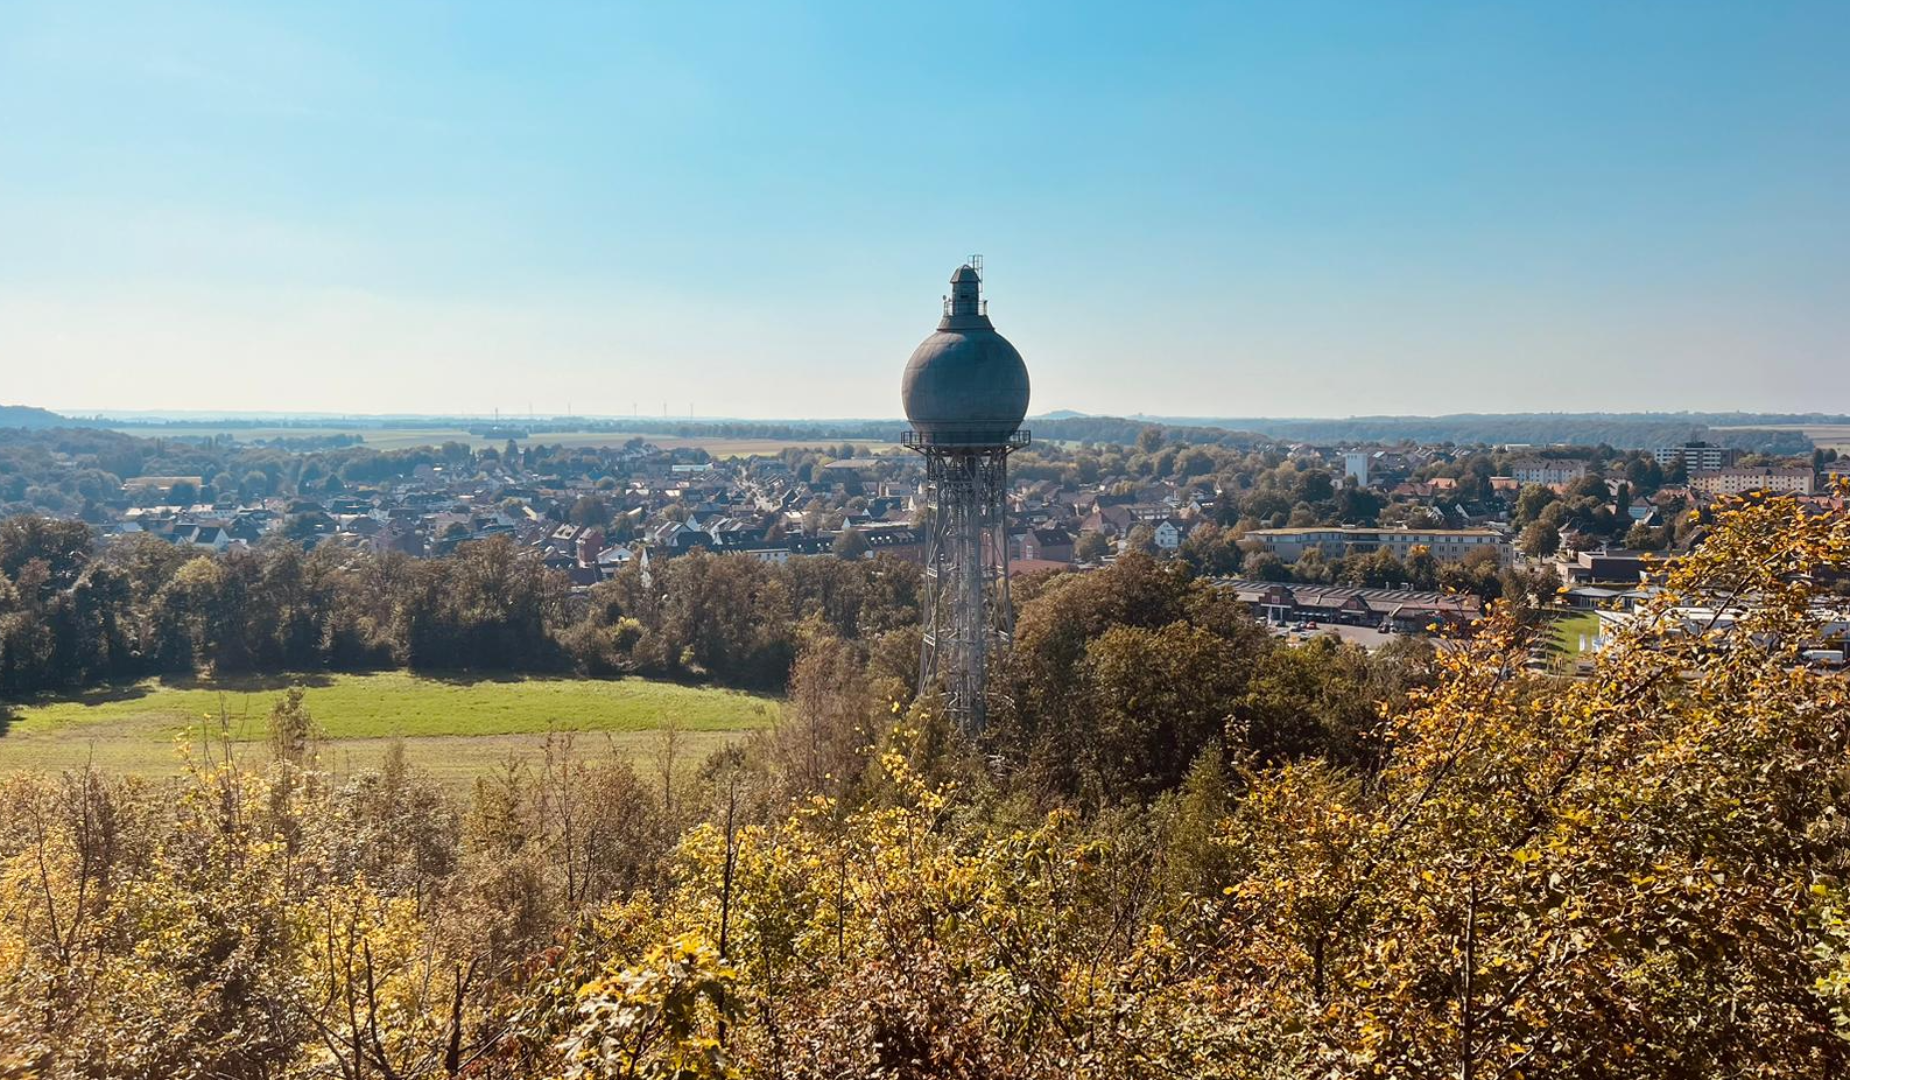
[(969, 600)]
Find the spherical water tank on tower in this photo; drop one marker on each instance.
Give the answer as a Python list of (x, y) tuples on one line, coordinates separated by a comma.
[(965, 385)]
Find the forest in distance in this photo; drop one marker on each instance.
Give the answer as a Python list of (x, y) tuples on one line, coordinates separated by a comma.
[(1181, 848)]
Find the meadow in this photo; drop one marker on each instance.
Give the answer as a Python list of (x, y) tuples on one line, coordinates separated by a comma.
[(454, 727)]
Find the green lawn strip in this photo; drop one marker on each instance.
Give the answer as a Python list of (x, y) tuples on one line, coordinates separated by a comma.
[(393, 703), (1567, 629)]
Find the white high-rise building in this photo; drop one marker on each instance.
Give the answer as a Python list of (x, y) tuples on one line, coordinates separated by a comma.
[(1699, 456), (1357, 461)]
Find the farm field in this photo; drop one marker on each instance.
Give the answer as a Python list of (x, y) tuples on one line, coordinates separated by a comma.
[(454, 728), (733, 448), (402, 438), (1823, 436)]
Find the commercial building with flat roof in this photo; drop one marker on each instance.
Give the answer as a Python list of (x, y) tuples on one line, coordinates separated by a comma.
[(1403, 609), (1447, 545)]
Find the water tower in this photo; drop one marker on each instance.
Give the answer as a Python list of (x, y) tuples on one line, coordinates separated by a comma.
[(965, 392)]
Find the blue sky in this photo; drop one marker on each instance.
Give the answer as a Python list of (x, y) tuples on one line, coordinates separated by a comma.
[(1279, 209)]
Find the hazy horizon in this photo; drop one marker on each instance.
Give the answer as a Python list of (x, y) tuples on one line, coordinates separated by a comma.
[(1211, 211), (504, 417)]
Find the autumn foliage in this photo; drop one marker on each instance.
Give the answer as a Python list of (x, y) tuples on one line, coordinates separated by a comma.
[(1643, 873)]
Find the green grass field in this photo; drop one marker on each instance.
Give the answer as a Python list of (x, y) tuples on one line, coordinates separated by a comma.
[(402, 438), (1567, 629), (453, 727)]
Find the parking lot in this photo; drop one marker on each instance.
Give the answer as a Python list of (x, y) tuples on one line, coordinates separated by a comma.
[(1366, 636)]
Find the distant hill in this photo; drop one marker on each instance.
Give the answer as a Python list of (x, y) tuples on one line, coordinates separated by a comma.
[(27, 416)]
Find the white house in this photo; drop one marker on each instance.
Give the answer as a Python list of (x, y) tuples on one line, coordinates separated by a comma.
[(210, 538)]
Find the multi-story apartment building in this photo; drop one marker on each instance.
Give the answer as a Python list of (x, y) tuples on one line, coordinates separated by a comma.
[(1735, 481), (1447, 545), (1549, 472), (1697, 456)]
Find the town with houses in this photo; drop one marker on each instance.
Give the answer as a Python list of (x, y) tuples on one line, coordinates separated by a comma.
[(1382, 547)]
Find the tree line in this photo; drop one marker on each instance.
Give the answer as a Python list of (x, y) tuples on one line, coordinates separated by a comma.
[(73, 614)]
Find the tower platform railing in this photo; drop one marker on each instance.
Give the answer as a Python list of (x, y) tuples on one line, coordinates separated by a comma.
[(965, 439)]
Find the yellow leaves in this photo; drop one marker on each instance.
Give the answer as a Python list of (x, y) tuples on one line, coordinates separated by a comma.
[(1156, 938), (1592, 828), (658, 1019)]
